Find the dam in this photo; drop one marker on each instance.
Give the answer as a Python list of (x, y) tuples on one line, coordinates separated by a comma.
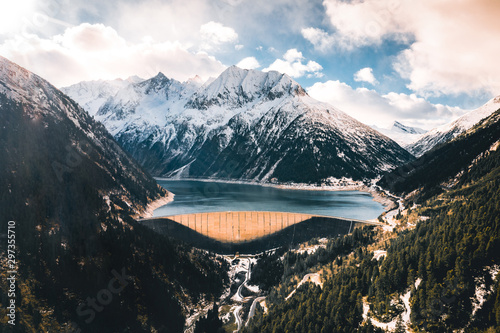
[(250, 231)]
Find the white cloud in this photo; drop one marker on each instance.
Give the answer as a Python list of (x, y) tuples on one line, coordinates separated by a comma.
[(293, 55), (239, 47), (292, 64), (320, 39), (365, 75), (248, 63), (89, 52), (371, 108), (452, 44), (92, 38), (214, 34)]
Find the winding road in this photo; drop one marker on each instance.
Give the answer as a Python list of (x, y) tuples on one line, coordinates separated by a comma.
[(240, 296), (237, 317), (247, 277)]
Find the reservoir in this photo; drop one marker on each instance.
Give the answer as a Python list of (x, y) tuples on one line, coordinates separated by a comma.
[(209, 196)]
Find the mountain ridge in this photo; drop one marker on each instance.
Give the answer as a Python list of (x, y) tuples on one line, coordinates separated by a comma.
[(246, 125)]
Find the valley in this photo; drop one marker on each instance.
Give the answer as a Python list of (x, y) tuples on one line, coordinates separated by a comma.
[(250, 232)]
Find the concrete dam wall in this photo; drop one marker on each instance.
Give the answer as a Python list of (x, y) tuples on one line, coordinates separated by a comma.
[(236, 227), (250, 230)]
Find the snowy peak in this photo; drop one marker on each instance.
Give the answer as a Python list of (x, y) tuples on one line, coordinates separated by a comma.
[(195, 80), (471, 118), (398, 127), (159, 78), (148, 99), (16, 80), (236, 87), (400, 133), (13, 74), (91, 95), (134, 79), (155, 83), (160, 83)]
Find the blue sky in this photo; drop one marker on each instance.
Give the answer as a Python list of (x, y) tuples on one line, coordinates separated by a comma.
[(423, 62)]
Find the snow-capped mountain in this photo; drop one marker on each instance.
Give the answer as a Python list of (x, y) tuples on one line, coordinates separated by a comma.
[(400, 133), (245, 124), (451, 130)]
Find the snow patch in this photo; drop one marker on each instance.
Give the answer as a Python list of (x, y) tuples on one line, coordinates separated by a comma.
[(312, 277), (378, 254)]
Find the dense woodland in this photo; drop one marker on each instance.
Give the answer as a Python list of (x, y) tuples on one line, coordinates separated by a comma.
[(271, 269), (452, 252)]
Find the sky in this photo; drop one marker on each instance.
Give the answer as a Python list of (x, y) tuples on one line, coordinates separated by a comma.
[(422, 63)]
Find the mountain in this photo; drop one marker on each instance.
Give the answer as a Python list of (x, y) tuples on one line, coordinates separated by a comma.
[(449, 131), (442, 167), (400, 133), (69, 191), (245, 124)]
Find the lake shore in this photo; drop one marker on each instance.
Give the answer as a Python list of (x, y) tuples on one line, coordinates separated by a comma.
[(155, 204)]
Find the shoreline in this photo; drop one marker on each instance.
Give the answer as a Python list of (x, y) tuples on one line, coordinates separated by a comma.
[(377, 195), (155, 204)]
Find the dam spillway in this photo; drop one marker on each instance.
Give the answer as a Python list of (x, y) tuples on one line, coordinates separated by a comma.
[(250, 230)]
